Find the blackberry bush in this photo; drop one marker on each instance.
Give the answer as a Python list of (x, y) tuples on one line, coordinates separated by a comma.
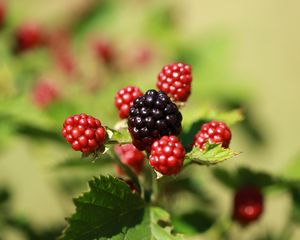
[(151, 135)]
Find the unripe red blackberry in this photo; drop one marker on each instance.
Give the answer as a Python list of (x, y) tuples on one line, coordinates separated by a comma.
[(130, 156), (248, 204), (124, 99), (213, 132), (152, 116), (2, 13), (44, 93), (167, 155), (104, 50), (84, 133), (175, 80), (59, 43), (28, 36)]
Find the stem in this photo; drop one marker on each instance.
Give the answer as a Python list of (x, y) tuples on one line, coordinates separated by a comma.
[(125, 168), (154, 186)]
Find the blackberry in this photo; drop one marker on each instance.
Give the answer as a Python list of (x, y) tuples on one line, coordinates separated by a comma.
[(167, 155), (214, 132), (175, 79), (85, 133), (152, 116)]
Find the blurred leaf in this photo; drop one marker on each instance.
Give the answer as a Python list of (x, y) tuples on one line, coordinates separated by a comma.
[(4, 195), (39, 134), (193, 223), (245, 176), (86, 162), (295, 192), (29, 231), (111, 211), (213, 154), (292, 171), (98, 14), (180, 185), (225, 177)]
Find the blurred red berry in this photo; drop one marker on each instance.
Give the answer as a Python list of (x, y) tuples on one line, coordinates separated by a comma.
[(2, 13), (167, 155), (28, 36), (59, 43), (124, 99), (213, 132), (104, 50), (44, 93), (248, 204), (175, 80), (130, 156), (131, 185), (85, 133)]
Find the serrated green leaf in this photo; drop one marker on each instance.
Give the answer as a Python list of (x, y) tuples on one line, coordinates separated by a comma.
[(111, 211), (213, 154), (108, 209)]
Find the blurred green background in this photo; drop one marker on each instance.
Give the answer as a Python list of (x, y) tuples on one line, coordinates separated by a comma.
[(244, 54)]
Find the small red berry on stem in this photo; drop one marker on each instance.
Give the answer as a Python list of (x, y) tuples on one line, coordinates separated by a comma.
[(85, 133), (28, 36), (167, 155), (44, 93), (130, 156), (175, 80), (213, 132), (124, 99), (248, 204)]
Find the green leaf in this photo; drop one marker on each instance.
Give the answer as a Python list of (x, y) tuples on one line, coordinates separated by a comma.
[(155, 225), (245, 176), (213, 154), (121, 136), (194, 222), (108, 209), (292, 171), (111, 211)]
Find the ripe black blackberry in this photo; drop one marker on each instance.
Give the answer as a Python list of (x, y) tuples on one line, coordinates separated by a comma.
[(152, 116)]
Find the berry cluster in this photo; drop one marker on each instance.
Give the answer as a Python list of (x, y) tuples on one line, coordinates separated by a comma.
[(152, 116), (175, 80), (248, 204), (124, 99), (213, 132), (153, 122), (84, 133), (130, 156), (167, 155)]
